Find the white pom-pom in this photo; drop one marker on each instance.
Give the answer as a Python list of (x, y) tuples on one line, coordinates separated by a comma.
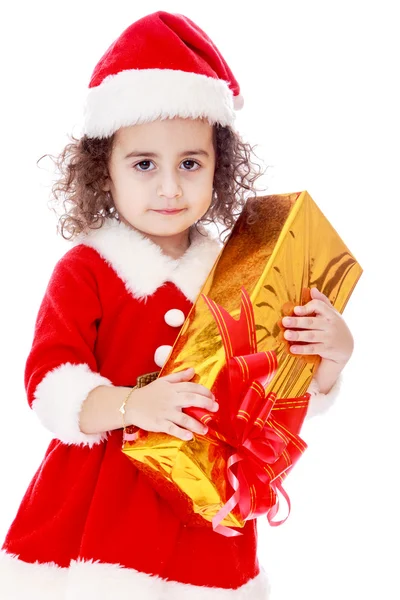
[(238, 102), (161, 355), (174, 317)]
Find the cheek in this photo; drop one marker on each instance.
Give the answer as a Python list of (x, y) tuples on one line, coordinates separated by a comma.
[(206, 184), (204, 201), (129, 190), (203, 192), (210, 187)]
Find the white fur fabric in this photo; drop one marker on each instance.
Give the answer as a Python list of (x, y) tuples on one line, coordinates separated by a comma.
[(319, 403), (59, 398), (145, 95), (87, 580), (142, 265)]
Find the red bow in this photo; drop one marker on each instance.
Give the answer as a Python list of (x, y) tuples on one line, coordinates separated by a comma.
[(264, 448)]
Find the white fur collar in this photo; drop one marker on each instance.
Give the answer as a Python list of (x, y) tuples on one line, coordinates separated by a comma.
[(142, 265)]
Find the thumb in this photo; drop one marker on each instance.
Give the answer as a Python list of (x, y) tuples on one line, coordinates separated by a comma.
[(185, 375)]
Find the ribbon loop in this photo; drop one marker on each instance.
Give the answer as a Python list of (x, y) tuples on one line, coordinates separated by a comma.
[(263, 449)]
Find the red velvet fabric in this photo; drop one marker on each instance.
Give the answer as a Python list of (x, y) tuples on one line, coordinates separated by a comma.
[(91, 502)]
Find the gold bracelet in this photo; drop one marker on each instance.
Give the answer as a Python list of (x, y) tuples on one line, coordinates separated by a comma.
[(123, 405)]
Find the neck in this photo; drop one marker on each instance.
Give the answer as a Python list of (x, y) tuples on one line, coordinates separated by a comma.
[(173, 246)]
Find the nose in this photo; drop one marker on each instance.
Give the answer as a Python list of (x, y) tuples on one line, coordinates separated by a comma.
[(169, 186)]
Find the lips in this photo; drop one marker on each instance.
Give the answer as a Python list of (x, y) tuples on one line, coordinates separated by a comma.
[(169, 211)]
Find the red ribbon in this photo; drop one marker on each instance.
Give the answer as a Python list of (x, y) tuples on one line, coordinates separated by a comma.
[(263, 448)]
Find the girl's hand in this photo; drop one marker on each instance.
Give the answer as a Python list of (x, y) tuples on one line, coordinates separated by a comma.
[(158, 405), (325, 334)]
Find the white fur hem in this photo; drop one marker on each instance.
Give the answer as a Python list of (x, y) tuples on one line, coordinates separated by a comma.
[(87, 580), (319, 403), (142, 95), (59, 398)]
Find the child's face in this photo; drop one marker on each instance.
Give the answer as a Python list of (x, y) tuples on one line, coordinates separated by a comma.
[(172, 170)]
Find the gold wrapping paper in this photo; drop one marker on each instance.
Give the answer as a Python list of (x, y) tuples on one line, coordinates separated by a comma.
[(290, 248)]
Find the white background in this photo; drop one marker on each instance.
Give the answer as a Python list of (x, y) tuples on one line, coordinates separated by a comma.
[(320, 81)]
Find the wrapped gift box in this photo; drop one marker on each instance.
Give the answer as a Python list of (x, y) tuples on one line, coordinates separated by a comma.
[(275, 258)]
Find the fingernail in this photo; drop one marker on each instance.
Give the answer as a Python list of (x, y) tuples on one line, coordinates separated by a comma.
[(188, 436), (215, 407), (205, 430)]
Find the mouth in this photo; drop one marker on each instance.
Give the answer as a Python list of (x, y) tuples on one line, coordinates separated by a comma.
[(169, 211)]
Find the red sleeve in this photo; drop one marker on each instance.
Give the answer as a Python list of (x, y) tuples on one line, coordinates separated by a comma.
[(61, 367)]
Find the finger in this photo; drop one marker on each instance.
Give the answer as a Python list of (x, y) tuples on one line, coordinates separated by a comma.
[(187, 400), (307, 349), (311, 336), (178, 432), (189, 423), (195, 388), (314, 306), (318, 323), (317, 294), (185, 375)]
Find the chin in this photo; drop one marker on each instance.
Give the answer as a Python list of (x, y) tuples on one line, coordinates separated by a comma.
[(161, 231), (167, 232), (168, 229)]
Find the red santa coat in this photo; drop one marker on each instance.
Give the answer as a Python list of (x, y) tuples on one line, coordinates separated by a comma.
[(90, 525)]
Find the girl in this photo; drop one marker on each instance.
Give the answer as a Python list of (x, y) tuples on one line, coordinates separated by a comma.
[(158, 159)]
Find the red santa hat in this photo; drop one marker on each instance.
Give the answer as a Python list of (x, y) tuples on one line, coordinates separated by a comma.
[(162, 66)]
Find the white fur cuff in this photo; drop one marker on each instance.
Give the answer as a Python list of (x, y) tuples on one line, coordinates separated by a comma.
[(59, 398), (319, 403)]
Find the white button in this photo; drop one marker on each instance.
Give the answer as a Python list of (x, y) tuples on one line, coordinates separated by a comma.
[(174, 317), (161, 355)]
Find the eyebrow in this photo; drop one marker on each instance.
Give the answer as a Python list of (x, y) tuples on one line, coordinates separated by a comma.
[(198, 152)]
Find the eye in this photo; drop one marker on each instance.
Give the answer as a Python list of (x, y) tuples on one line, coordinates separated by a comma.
[(145, 164), (189, 163)]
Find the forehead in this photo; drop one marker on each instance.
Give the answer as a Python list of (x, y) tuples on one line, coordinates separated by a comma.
[(165, 132)]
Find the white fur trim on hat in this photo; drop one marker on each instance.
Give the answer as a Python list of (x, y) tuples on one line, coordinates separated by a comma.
[(319, 403), (141, 95), (59, 398), (85, 580), (142, 265)]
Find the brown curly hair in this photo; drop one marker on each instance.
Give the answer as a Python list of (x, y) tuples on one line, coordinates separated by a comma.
[(82, 169)]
